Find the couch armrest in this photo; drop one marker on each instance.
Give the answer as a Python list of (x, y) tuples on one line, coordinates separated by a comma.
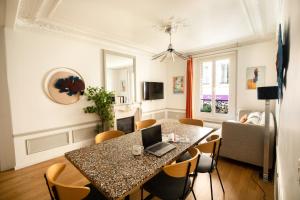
[(243, 142)]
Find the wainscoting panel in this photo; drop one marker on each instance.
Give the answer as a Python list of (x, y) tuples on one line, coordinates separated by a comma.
[(146, 116), (47, 142), (154, 114), (175, 115), (37, 146), (83, 134), (159, 115)]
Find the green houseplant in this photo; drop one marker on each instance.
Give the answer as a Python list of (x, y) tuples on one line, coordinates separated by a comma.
[(103, 106)]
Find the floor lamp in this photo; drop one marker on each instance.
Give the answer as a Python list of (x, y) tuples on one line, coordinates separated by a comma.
[(267, 93)]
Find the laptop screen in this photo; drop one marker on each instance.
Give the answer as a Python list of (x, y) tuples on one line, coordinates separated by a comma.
[(151, 136)]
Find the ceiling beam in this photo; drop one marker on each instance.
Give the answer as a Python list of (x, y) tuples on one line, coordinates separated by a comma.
[(254, 11), (12, 8), (47, 8)]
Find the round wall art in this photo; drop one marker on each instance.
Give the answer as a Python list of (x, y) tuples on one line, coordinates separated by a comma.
[(64, 85)]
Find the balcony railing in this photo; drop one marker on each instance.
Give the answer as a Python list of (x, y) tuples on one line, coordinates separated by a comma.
[(221, 105)]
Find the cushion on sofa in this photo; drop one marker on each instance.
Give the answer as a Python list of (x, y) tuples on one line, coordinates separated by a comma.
[(262, 119), (244, 118), (254, 118)]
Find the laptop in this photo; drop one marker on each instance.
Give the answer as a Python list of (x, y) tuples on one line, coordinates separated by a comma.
[(152, 141)]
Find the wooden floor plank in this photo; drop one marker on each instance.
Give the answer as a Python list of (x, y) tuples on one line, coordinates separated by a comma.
[(238, 180)]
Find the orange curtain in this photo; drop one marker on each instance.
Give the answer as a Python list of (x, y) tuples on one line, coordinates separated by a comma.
[(189, 88)]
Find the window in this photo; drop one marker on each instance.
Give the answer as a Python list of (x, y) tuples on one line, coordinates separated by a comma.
[(216, 87)]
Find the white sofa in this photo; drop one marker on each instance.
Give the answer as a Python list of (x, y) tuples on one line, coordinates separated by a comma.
[(245, 142)]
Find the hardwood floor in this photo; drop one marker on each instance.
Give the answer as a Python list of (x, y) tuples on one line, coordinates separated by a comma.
[(238, 179)]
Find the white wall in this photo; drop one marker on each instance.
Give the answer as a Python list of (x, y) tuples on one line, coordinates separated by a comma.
[(32, 53), (178, 68), (288, 149), (259, 54), (2, 13), (6, 147), (30, 56), (150, 71)]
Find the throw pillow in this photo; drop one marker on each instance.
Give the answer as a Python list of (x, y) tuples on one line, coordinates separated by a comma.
[(254, 118), (262, 119), (244, 118), (255, 114)]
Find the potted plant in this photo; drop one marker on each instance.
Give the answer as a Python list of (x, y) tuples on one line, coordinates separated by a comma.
[(103, 106)]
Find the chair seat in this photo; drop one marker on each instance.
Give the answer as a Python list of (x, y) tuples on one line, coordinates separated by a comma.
[(166, 187), (94, 193), (184, 157), (204, 164)]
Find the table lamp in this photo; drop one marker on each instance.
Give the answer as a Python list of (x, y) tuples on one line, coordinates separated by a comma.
[(267, 93)]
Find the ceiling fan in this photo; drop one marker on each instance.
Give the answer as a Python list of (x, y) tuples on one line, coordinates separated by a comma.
[(170, 28)]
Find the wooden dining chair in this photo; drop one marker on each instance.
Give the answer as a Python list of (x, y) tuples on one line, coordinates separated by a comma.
[(209, 163), (173, 182), (60, 191), (195, 122), (107, 135), (144, 124)]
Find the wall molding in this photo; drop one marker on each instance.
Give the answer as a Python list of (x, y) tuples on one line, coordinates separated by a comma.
[(64, 30), (54, 129), (38, 15), (153, 111), (231, 46), (35, 147), (176, 109)]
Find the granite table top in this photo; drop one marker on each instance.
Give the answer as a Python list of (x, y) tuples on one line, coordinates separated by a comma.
[(112, 168)]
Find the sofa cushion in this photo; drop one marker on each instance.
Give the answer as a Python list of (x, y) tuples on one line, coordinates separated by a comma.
[(254, 118), (244, 118), (262, 120)]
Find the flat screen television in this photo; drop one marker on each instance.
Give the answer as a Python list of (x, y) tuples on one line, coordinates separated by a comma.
[(153, 90)]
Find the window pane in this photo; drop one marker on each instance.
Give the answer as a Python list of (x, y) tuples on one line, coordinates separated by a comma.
[(222, 86), (206, 87)]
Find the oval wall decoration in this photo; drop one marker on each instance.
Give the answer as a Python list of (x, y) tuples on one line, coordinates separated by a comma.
[(64, 85)]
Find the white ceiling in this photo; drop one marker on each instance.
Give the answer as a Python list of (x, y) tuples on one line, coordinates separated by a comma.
[(131, 22)]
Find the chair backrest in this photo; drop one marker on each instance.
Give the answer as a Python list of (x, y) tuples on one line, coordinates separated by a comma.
[(183, 168), (107, 135), (195, 122), (60, 191), (212, 146), (144, 124)]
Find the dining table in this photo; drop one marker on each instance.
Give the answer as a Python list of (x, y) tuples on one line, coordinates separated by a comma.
[(112, 168)]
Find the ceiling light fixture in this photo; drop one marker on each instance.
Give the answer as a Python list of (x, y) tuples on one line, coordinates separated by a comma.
[(170, 28)]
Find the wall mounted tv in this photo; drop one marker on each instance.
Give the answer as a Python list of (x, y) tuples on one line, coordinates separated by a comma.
[(153, 90)]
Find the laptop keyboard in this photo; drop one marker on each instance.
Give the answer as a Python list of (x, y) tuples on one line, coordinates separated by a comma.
[(158, 147)]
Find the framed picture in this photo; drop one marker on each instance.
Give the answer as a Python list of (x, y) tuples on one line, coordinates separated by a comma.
[(64, 85), (255, 77), (178, 84)]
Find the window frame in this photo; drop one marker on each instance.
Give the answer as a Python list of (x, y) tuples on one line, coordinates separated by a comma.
[(212, 116)]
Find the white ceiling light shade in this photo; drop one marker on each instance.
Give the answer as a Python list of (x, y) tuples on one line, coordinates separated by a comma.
[(169, 28)]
